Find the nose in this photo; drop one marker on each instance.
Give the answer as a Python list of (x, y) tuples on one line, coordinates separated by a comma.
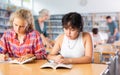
[(68, 32), (18, 28)]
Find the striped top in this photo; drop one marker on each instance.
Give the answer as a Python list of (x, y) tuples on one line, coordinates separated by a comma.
[(32, 44)]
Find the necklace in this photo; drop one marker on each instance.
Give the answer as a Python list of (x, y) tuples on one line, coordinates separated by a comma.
[(72, 43)]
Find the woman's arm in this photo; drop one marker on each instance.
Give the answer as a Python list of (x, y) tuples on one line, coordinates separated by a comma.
[(3, 47), (39, 49), (46, 41), (3, 43), (55, 51)]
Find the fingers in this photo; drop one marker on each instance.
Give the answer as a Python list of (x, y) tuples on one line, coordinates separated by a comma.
[(59, 59), (3, 57), (23, 58), (49, 45)]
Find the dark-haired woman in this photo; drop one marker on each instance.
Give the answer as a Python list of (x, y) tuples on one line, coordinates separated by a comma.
[(74, 46)]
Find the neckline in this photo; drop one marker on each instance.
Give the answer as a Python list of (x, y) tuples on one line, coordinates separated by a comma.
[(72, 43)]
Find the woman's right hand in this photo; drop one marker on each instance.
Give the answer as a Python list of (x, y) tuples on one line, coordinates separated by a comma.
[(58, 58), (3, 57)]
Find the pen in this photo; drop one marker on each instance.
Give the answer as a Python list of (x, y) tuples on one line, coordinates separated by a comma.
[(50, 61)]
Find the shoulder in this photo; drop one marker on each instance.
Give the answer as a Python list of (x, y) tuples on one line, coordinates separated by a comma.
[(60, 37), (115, 24), (34, 33), (9, 32), (86, 35)]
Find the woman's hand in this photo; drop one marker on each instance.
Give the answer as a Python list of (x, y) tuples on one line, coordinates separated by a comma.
[(58, 59), (3, 57), (46, 41), (48, 45), (25, 57)]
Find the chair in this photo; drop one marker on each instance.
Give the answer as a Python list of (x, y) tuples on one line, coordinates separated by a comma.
[(106, 51), (116, 44)]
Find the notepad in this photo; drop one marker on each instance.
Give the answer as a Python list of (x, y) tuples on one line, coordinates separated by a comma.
[(22, 62), (55, 66)]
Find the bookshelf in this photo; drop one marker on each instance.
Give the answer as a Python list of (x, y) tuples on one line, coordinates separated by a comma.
[(54, 24), (88, 21), (5, 11), (4, 18)]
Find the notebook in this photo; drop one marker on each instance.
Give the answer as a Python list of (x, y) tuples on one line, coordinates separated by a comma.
[(55, 66), (22, 62)]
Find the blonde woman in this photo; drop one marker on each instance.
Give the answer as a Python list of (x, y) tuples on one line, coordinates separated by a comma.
[(22, 41)]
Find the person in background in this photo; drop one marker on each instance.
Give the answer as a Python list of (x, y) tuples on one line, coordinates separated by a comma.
[(113, 28), (21, 41), (97, 39), (40, 26), (74, 45)]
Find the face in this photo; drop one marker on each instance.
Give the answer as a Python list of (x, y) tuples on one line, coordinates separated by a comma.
[(19, 25), (46, 17), (71, 33), (109, 20)]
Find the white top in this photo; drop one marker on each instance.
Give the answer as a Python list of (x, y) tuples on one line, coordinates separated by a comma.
[(42, 26), (72, 48), (101, 36)]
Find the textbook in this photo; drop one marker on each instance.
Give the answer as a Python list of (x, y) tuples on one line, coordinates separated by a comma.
[(55, 66), (22, 62)]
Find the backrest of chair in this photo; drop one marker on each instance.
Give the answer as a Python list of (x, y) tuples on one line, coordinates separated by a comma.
[(117, 43)]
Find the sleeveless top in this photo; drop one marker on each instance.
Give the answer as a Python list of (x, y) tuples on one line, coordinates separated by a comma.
[(72, 48)]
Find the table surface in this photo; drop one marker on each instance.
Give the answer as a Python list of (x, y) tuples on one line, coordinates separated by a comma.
[(33, 68)]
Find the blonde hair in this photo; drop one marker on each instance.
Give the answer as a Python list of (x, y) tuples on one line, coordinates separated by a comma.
[(43, 12), (23, 14)]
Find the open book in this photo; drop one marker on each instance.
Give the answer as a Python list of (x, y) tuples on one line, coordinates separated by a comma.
[(55, 66), (4, 61), (22, 62)]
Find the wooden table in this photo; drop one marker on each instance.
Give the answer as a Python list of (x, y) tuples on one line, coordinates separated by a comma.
[(98, 54), (34, 69)]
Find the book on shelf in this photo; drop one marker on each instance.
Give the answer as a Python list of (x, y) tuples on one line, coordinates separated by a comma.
[(22, 62), (55, 66)]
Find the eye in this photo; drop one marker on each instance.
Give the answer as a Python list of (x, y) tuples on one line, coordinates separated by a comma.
[(16, 25), (22, 26), (73, 29), (65, 28)]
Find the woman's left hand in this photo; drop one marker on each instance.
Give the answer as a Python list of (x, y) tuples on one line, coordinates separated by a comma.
[(22, 58)]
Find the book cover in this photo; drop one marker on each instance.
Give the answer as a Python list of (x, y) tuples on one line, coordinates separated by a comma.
[(55, 66), (22, 62)]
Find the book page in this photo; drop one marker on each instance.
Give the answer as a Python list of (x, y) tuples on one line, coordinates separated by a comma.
[(55, 66), (23, 62), (49, 65), (69, 66)]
